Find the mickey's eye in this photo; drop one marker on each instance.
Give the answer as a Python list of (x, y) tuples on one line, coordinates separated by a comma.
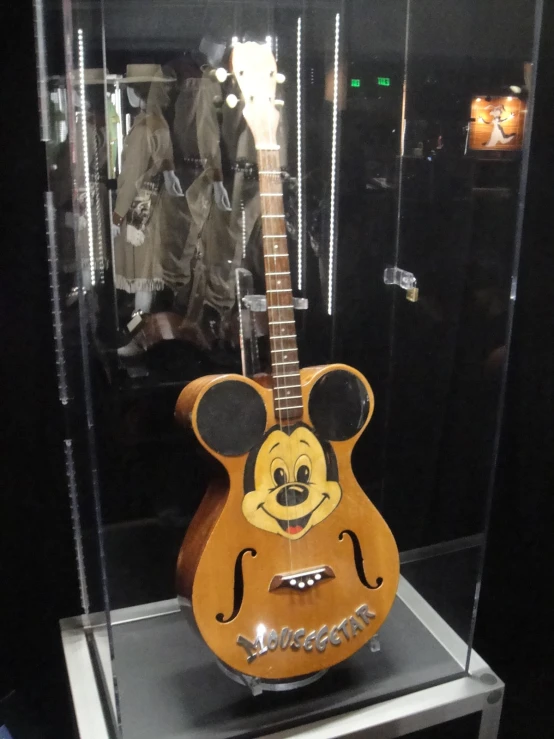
[(279, 472), (303, 469), (280, 476)]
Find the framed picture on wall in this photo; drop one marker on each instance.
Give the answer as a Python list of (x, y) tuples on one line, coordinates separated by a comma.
[(496, 123)]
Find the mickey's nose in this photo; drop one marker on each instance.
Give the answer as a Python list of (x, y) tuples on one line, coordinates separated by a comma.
[(292, 494)]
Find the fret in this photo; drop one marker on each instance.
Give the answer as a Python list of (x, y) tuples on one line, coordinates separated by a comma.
[(287, 397)]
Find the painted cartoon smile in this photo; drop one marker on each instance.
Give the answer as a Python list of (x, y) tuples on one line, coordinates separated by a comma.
[(290, 482), (294, 525)]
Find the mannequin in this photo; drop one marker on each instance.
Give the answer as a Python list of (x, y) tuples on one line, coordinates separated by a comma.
[(146, 179), (196, 229)]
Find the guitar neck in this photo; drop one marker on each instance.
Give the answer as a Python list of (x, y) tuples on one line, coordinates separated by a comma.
[(287, 398)]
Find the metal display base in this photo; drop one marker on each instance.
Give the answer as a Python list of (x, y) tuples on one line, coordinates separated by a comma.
[(169, 684)]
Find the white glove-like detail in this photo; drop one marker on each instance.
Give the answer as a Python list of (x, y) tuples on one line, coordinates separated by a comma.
[(116, 230), (172, 184), (221, 197), (134, 236)]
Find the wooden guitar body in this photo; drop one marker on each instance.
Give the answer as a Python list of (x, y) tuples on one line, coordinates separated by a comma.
[(290, 568)]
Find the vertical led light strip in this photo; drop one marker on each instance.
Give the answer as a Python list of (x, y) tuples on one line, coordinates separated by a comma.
[(88, 203), (299, 155), (243, 225), (334, 135), (42, 70)]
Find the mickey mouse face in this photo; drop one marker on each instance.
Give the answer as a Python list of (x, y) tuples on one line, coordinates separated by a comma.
[(291, 490)]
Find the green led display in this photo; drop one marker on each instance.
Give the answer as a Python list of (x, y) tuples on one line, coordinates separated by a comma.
[(383, 81), (355, 83)]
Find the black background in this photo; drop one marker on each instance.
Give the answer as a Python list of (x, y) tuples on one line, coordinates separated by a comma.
[(38, 584)]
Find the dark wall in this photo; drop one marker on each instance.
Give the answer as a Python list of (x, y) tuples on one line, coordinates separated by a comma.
[(514, 623), (37, 584)]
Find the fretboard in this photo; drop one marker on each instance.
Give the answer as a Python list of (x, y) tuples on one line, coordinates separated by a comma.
[(287, 398)]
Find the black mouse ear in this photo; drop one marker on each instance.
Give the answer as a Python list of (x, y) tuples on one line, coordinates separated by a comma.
[(339, 405), (231, 417)]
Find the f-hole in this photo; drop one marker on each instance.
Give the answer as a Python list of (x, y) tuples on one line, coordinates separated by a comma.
[(238, 587), (359, 560)]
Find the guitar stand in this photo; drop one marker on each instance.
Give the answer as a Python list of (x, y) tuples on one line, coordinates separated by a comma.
[(251, 328), (257, 686)]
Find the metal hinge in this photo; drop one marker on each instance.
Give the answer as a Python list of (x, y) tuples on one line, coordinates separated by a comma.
[(406, 280)]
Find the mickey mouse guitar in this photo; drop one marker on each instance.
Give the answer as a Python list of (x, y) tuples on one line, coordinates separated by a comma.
[(289, 568)]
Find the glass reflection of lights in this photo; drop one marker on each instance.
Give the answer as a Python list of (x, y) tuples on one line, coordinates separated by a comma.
[(334, 135), (62, 123), (85, 154), (119, 125), (300, 153)]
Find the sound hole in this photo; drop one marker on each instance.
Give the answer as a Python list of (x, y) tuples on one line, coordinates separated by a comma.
[(238, 587), (359, 560)]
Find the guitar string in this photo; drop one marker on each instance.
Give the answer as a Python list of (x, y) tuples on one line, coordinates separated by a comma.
[(287, 311), (278, 264)]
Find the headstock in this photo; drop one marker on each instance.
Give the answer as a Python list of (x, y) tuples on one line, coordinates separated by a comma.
[(256, 74)]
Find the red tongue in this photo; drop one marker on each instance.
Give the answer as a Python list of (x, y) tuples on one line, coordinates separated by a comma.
[(294, 529)]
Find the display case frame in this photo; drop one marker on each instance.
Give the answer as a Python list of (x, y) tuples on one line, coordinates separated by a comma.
[(477, 690), (437, 503)]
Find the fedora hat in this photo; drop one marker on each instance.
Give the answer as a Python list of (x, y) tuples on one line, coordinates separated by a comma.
[(145, 73)]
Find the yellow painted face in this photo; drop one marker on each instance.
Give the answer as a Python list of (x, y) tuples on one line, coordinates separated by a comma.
[(292, 493)]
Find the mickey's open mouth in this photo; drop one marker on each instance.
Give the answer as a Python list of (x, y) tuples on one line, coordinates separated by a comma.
[(295, 525)]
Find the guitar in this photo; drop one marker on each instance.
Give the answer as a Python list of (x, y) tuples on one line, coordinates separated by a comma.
[(289, 568)]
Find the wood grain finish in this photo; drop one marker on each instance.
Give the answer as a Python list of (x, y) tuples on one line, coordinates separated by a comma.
[(220, 532), (290, 568)]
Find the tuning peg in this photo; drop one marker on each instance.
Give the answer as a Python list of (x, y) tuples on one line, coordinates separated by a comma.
[(278, 103), (220, 74), (218, 101), (280, 77), (232, 100)]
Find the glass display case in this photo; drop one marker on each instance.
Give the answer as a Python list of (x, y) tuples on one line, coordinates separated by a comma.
[(241, 189)]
